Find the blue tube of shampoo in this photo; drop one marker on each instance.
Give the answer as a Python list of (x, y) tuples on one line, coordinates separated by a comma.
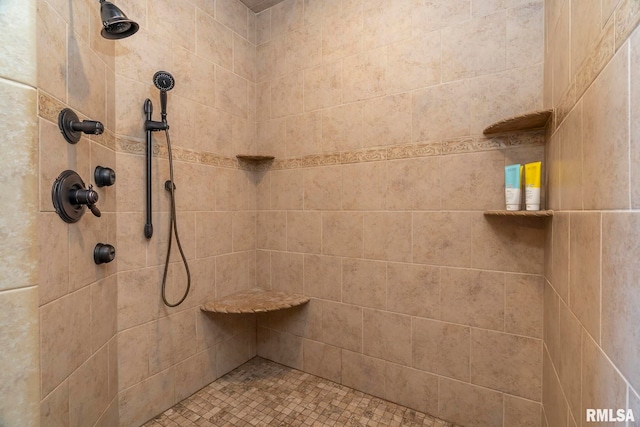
[(513, 187)]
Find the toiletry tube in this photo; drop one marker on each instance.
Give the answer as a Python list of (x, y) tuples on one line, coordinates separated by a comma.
[(512, 187), (532, 172)]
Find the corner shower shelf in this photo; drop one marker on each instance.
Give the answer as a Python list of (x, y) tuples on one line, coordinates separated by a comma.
[(255, 301), (252, 158), (527, 214), (523, 122)]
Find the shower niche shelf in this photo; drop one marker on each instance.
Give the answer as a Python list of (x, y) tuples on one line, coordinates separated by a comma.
[(523, 122), (254, 158), (521, 214), (255, 301)]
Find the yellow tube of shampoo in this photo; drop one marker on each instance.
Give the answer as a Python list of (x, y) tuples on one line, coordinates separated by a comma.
[(532, 174)]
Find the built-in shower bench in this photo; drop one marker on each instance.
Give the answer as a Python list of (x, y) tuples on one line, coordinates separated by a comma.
[(255, 301)]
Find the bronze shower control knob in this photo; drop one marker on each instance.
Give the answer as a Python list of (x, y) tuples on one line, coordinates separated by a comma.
[(70, 197), (103, 253), (71, 126), (104, 177)]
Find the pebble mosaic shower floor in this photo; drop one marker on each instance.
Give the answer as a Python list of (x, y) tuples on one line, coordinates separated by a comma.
[(264, 393)]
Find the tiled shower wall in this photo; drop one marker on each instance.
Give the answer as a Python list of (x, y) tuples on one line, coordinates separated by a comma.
[(373, 207), (19, 376), (111, 353), (167, 354), (78, 300), (591, 330)]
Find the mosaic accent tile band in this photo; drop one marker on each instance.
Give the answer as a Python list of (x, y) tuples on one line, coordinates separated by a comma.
[(49, 108), (264, 393)]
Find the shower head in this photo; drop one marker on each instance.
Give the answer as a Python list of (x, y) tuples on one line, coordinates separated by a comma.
[(115, 22), (163, 81)]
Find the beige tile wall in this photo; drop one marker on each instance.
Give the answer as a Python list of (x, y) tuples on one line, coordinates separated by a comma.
[(110, 320), (166, 354), (19, 377), (416, 296), (78, 299), (331, 77), (590, 331)]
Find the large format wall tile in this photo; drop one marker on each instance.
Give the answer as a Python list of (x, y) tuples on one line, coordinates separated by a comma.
[(52, 51), (387, 336), (474, 298), (19, 40), (322, 360), (474, 48), (65, 337), (602, 386), (363, 373), (585, 267), (569, 354), (411, 388), (18, 223), (606, 137), (441, 348), (413, 289), (442, 238), (521, 412), (469, 405), (620, 245), (19, 339), (506, 362)]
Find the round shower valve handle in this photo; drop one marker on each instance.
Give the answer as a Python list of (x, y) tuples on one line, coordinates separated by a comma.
[(83, 196), (70, 197)]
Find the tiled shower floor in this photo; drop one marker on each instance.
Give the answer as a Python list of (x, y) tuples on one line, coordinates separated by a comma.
[(264, 393)]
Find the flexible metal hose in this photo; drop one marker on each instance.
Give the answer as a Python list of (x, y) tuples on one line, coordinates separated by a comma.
[(173, 227)]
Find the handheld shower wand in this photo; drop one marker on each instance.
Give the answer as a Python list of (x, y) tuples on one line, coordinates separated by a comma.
[(164, 82)]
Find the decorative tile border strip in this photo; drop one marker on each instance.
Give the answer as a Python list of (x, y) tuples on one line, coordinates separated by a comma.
[(627, 17), (438, 148), (624, 21), (50, 107), (360, 156), (136, 146), (600, 56)]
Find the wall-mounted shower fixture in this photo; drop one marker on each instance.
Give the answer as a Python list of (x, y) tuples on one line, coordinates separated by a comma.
[(115, 22), (165, 82), (71, 127), (71, 198), (104, 177), (103, 253)]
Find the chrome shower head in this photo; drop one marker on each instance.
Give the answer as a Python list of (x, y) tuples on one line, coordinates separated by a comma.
[(115, 22)]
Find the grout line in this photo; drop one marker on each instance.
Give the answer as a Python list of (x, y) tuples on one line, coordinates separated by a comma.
[(629, 97), (600, 250)]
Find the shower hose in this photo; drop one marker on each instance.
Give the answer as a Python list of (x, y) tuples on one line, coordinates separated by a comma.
[(173, 228)]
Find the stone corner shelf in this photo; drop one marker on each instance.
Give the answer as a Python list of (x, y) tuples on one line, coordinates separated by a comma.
[(255, 301), (524, 214), (254, 158), (528, 121)]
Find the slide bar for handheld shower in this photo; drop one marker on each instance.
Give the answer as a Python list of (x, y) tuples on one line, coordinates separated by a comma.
[(150, 126), (148, 227)]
